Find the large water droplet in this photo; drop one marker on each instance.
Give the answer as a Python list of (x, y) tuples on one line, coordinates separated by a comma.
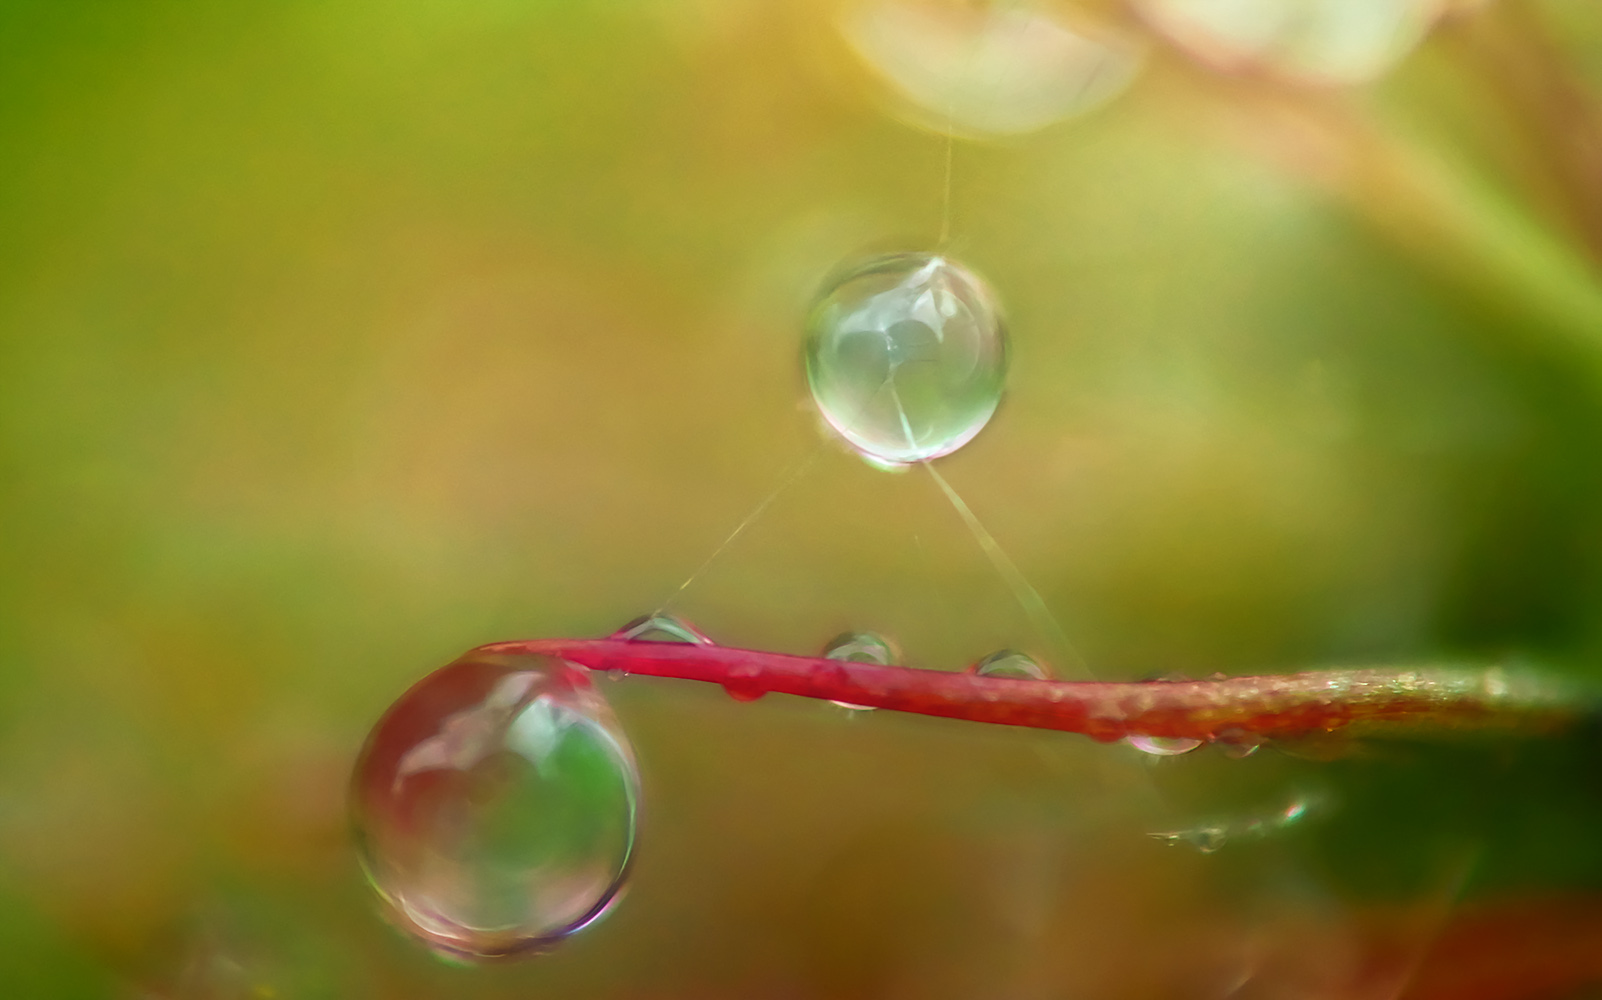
[(494, 806), (906, 355), (1011, 663), (860, 647), (1163, 746)]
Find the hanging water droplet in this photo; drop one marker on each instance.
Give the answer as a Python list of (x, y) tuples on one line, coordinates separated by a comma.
[(662, 628), (860, 647), (1011, 663), (1237, 744), (494, 806), (1163, 746), (906, 356), (989, 69), (742, 683)]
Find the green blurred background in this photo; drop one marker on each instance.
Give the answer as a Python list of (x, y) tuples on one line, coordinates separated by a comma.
[(339, 337)]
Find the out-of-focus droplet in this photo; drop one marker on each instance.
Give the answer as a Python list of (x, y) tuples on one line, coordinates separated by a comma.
[(1294, 812), (494, 806), (860, 647), (988, 69), (1011, 663), (662, 628), (1209, 837), (1312, 41), (1237, 744), (906, 356), (1206, 839), (1163, 746)]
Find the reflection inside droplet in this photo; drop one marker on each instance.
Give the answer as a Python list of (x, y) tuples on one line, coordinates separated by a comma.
[(906, 356), (1163, 746), (1011, 663), (1002, 69), (494, 806), (860, 647), (1317, 41)]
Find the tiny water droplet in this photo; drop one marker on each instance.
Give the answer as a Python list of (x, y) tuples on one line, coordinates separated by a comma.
[(1207, 839), (742, 684), (1163, 746), (494, 806), (906, 357), (662, 628), (860, 647), (1011, 663), (1237, 744)]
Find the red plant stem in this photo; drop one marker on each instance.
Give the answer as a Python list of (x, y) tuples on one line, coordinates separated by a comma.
[(1234, 708)]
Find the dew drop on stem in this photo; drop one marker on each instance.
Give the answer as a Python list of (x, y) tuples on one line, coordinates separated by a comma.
[(860, 647), (1011, 663)]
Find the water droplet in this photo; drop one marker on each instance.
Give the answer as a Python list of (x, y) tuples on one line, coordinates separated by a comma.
[(1163, 746), (1316, 41), (742, 684), (860, 647), (1207, 839), (988, 69), (494, 806), (662, 628), (1237, 744), (1011, 663), (906, 356)]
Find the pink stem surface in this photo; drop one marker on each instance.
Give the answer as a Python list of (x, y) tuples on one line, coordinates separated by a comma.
[(1281, 706)]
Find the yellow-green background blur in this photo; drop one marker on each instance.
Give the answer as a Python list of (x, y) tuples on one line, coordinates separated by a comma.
[(339, 337)]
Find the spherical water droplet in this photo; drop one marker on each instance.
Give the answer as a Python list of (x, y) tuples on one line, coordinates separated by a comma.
[(906, 356), (1163, 746), (1011, 663), (662, 628), (860, 647), (494, 806)]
